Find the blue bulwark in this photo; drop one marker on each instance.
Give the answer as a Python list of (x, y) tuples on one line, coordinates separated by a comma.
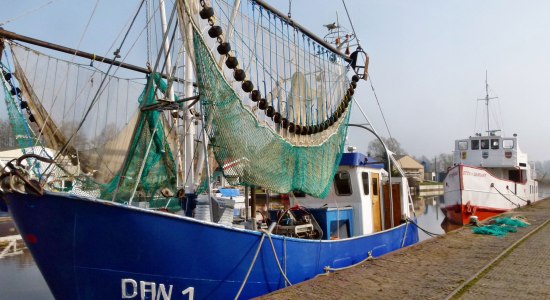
[(359, 159)]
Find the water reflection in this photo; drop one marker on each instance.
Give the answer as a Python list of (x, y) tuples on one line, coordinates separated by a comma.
[(429, 215), (19, 276)]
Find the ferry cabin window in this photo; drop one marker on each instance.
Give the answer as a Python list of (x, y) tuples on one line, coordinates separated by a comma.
[(507, 144), (475, 144), (463, 145), (375, 187), (484, 144), (494, 143), (365, 178), (342, 184)]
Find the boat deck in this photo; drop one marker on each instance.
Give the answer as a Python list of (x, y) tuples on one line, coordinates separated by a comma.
[(458, 265)]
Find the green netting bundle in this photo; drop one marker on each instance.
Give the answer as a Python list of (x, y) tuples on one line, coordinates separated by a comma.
[(496, 230), (248, 150), (510, 222), (500, 227)]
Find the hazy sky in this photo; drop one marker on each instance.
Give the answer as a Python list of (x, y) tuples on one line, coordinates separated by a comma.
[(427, 61)]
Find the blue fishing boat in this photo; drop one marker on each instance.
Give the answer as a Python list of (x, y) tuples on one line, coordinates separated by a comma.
[(135, 218), (157, 254)]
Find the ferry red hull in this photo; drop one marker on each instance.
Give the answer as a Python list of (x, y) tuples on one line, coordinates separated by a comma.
[(460, 214)]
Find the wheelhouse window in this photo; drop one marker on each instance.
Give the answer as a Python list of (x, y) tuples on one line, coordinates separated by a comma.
[(475, 144), (484, 144), (495, 144), (342, 184), (365, 178), (375, 186), (507, 144), (462, 145)]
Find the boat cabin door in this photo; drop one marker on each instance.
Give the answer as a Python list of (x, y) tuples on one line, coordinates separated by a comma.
[(375, 196)]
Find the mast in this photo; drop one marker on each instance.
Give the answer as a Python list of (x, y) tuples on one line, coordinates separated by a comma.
[(486, 99), (186, 32), (170, 91)]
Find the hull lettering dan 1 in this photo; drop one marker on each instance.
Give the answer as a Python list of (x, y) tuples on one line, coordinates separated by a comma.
[(229, 181)]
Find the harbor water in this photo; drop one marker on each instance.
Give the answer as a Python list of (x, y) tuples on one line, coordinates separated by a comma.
[(20, 278)]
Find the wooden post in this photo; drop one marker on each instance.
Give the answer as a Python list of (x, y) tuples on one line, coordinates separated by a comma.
[(253, 206)]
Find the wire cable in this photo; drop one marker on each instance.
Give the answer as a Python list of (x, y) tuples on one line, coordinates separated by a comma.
[(379, 106)]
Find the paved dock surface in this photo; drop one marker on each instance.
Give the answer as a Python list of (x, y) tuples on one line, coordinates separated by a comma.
[(508, 267)]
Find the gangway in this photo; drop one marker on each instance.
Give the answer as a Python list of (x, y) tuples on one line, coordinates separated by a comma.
[(11, 248)]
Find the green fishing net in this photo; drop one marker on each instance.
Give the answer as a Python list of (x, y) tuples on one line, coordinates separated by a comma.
[(500, 226), (150, 166), (252, 153)]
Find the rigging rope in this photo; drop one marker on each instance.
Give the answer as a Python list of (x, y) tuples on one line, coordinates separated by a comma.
[(516, 204), (26, 13), (379, 106), (98, 91)]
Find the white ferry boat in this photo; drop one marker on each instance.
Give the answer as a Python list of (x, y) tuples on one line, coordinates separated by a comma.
[(491, 175)]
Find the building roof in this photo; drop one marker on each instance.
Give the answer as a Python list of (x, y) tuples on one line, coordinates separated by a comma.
[(408, 162)]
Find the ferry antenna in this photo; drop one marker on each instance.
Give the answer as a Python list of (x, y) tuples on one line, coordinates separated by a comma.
[(486, 99)]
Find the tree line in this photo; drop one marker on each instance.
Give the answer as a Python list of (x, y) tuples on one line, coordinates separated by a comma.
[(438, 163)]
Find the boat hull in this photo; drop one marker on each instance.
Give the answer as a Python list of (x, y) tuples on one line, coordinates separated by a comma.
[(93, 249), (471, 191)]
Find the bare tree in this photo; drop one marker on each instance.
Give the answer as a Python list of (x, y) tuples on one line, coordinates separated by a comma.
[(376, 149), (7, 138), (78, 139), (444, 162)]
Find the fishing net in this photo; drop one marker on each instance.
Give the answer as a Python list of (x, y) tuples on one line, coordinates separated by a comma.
[(24, 135), (102, 140), (511, 221), (275, 100), (149, 171), (501, 226)]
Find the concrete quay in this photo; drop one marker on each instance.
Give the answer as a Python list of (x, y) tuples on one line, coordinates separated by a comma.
[(458, 265)]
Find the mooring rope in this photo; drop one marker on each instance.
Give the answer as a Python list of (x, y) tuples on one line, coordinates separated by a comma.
[(264, 234), (328, 269), (493, 186), (432, 234), (251, 266), (526, 201)]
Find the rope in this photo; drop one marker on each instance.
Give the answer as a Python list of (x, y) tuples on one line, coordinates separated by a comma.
[(405, 234), (432, 234), (251, 266), (276, 258), (96, 97), (328, 269), (264, 234), (351, 23), (28, 12), (493, 186), (526, 201), (379, 107)]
